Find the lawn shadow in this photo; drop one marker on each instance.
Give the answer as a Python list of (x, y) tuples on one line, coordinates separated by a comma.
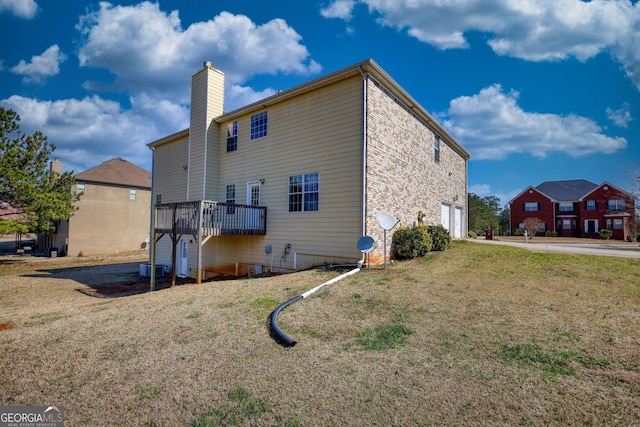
[(108, 280)]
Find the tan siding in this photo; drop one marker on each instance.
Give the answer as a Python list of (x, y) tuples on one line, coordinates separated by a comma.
[(197, 132), (107, 221), (170, 180), (319, 132)]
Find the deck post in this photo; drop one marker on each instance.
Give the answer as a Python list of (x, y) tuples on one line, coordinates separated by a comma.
[(199, 242), (152, 279)]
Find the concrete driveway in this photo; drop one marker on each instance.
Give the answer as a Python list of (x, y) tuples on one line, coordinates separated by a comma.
[(569, 245)]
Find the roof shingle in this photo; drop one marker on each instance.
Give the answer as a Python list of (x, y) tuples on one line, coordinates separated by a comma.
[(570, 190), (117, 171)]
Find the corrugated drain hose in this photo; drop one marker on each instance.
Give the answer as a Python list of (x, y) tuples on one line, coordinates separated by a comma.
[(276, 332)]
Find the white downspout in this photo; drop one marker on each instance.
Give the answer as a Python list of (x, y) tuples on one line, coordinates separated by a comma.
[(152, 226), (364, 155)]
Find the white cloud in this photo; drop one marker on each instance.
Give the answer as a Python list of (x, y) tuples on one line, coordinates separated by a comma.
[(341, 9), (147, 48), (491, 125), (533, 30), (92, 130), (152, 58), (485, 190), (238, 96), (21, 8), (621, 117), (480, 189), (41, 66)]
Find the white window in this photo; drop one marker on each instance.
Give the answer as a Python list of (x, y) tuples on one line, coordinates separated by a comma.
[(304, 192), (566, 224), (231, 198), (133, 194), (232, 136), (81, 189), (565, 206), (436, 148), (617, 224), (615, 205), (591, 205), (531, 206), (259, 125)]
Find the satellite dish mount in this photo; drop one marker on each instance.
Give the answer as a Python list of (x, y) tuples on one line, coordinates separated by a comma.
[(366, 245), (386, 222)]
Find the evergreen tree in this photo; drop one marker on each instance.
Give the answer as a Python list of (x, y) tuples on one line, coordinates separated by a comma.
[(26, 182)]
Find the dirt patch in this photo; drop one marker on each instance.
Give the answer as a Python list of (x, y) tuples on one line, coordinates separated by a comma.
[(117, 290), (4, 326)]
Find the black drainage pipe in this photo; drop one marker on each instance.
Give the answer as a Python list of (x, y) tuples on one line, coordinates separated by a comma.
[(276, 332)]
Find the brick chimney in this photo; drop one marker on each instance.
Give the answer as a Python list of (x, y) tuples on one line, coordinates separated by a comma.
[(207, 103)]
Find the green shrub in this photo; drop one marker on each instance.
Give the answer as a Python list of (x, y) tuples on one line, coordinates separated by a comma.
[(518, 232), (412, 242), (440, 237), (551, 233), (605, 234), (472, 234)]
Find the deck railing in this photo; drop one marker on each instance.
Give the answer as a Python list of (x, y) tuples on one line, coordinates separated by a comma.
[(216, 218)]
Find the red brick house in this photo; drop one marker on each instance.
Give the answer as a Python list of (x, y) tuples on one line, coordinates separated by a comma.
[(576, 208)]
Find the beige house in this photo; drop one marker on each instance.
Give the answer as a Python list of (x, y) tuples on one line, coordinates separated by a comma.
[(113, 213), (296, 179)]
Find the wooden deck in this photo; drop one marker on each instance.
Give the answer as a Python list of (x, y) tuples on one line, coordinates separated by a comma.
[(210, 218)]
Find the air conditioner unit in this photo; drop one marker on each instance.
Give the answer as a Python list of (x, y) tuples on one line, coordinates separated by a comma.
[(145, 270)]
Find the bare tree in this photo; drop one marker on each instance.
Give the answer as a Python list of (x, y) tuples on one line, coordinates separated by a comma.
[(531, 226)]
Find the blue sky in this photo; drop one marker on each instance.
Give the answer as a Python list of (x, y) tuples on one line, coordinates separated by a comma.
[(536, 90)]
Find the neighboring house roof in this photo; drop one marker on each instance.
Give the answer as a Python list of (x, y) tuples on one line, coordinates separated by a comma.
[(604, 184), (117, 171), (369, 67), (569, 190)]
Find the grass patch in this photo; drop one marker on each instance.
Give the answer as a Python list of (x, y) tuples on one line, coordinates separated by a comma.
[(384, 337), (551, 361), (241, 409), (265, 302)]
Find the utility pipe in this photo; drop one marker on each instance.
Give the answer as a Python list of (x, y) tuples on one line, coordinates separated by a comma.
[(276, 332)]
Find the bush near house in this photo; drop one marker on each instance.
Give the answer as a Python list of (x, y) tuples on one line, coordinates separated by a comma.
[(412, 242), (605, 234), (440, 237)]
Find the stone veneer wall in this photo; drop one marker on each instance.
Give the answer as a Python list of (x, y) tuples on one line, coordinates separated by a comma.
[(403, 177)]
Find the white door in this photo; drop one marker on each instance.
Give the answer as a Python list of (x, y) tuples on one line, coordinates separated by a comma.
[(182, 261), (457, 230), (253, 199), (446, 217)]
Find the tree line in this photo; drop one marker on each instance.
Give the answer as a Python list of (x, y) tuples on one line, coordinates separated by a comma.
[(486, 212)]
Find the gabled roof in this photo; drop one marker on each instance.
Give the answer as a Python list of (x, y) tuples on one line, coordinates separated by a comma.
[(570, 190), (117, 171), (367, 67), (531, 187), (585, 195)]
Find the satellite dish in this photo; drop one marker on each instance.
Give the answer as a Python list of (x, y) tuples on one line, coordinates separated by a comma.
[(366, 244), (386, 221)]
